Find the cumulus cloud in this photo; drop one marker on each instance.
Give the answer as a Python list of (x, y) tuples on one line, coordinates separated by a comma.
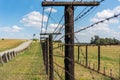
[(52, 27), (103, 30), (33, 19), (106, 29), (14, 28), (105, 14), (50, 9)]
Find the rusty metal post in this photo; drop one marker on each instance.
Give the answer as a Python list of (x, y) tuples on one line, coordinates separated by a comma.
[(98, 57), (69, 39), (47, 40), (86, 55), (51, 74)]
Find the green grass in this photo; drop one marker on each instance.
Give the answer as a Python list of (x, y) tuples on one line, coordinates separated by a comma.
[(26, 66), (109, 60), (9, 44)]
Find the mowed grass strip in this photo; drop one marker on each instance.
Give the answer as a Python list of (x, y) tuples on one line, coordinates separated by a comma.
[(10, 43), (26, 66)]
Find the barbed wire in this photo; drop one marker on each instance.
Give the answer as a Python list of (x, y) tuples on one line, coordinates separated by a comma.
[(80, 15), (42, 19), (64, 70), (61, 56), (92, 25)]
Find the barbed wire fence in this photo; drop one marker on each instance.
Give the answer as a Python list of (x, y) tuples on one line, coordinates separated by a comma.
[(90, 57)]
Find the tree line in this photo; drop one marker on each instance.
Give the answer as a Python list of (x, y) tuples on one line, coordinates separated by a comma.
[(104, 41)]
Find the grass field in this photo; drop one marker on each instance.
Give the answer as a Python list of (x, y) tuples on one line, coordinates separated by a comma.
[(29, 65), (109, 60), (26, 66), (10, 43)]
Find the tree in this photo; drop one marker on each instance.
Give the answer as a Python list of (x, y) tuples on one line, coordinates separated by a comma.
[(104, 41), (97, 39), (34, 37), (92, 40)]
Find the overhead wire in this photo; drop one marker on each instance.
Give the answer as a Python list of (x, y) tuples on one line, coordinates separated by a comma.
[(59, 30), (92, 25), (80, 16)]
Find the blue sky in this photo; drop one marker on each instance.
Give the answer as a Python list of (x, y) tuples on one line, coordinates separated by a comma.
[(22, 18)]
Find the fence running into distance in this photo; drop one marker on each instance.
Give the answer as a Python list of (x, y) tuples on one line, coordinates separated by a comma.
[(92, 62), (7, 55)]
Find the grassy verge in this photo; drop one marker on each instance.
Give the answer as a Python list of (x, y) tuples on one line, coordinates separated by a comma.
[(26, 66), (109, 58), (81, 73), (9, 44)]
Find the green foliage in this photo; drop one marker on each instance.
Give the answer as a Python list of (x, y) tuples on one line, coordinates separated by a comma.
[(103, 41), (3, 39), (35, 39)]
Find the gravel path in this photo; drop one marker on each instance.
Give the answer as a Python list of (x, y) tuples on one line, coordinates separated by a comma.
[(7, 55)]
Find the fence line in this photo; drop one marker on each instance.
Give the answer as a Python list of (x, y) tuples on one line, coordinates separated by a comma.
[(78, 61), (7, 55)]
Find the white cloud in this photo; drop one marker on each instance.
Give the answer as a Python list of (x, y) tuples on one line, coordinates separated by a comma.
[(33, 19), (105, 14), (50, 9), (103, 30), (52, 27), (43, 30), (106, 29), (14, 28), (118, 0), (118, 27)]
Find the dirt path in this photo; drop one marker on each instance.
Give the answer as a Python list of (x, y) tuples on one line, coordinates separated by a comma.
[(26, 66)]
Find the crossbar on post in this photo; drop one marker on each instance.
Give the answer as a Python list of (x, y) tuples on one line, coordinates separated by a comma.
[(77, 3)]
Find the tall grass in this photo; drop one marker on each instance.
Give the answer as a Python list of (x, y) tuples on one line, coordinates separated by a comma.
[(28, 65), (109, 60), (9, 44)]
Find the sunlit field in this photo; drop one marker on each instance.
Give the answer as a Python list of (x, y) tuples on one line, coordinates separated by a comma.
[(28, 65), (10, 43), (109, 62)]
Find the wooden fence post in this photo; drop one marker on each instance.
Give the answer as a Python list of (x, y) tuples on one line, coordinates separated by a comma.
[(51, 73), (47, 40), (98, 57), (86, 55), (78, 53)]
